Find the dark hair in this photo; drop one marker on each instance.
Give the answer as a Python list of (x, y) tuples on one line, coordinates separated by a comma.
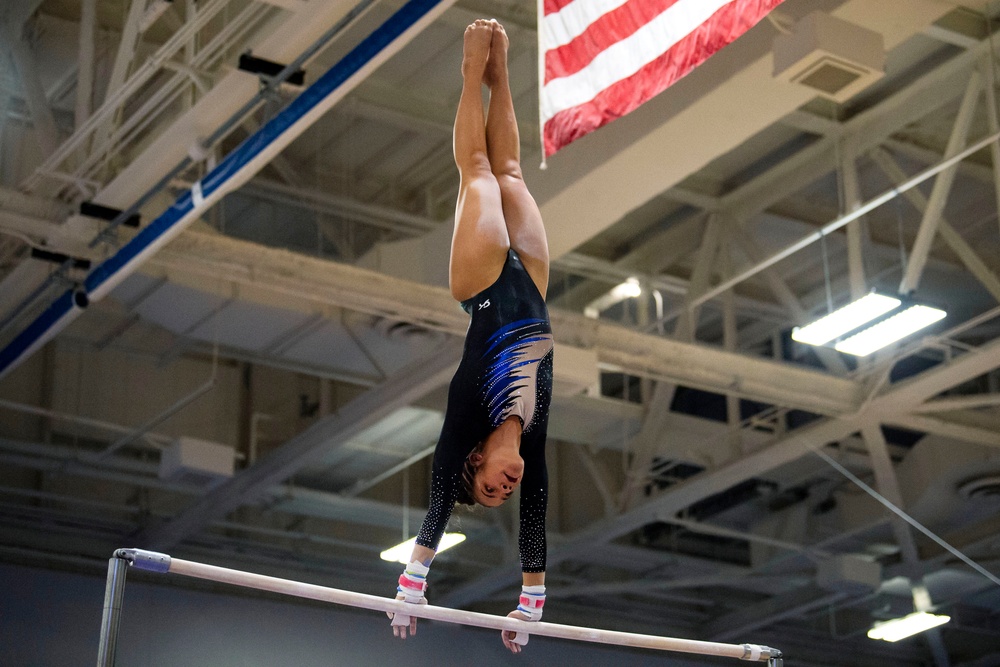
[(466, 494)]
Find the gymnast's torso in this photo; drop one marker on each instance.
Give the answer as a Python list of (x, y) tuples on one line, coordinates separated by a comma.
[(506, 371)]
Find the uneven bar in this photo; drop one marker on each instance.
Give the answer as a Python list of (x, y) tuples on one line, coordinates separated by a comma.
[(157, 562)]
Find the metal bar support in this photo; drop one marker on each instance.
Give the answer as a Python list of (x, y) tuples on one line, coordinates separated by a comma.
[(114, 594), (159, 562)]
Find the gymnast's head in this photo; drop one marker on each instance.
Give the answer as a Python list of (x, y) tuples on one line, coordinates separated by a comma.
[(493, 469)]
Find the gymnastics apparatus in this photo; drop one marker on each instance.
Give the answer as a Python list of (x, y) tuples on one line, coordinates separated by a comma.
[(151, 561)]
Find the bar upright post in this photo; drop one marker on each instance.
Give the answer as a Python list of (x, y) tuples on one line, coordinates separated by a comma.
[(114, 593)]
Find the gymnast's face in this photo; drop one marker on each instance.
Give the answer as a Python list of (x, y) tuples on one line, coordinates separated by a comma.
[(497, 475)]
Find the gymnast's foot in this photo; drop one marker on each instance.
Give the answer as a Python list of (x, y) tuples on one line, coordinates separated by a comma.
[(496, 66), (476, 50)]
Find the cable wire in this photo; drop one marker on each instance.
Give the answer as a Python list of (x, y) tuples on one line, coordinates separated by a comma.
[(903, 515)]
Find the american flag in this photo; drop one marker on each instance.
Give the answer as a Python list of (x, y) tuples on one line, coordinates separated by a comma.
[(601, 59)]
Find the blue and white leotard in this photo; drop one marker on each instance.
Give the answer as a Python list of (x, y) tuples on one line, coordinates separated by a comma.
[(506, 370)]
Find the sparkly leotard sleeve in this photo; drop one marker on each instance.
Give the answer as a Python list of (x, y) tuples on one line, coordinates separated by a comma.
[(506, 370)]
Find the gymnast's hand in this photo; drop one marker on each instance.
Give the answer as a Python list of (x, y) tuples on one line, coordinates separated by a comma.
[(402, 623), (412, 584), (529, 608), (511, 640)]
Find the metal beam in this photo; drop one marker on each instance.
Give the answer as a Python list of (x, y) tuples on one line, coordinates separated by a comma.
[(44, 121), (792, 604), (868, 129), (657, 419), (942, 187), (846, 219), (829, 358), (127, 44), (947, 428), (686, 328), (598, 198), (669, 502), (851, 201), (888, 485), (965, 252), (404, 387), (993, 118), (959, 403), (782, 450), (680, 239), (193, 257), (905, 395), (86, 62)]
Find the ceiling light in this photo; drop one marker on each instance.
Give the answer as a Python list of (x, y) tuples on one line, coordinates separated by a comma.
[(401, 552), (907, 626), (890, 330), (628, 289), (848, 318)]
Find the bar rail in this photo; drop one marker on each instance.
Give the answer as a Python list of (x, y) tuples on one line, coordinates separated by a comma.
[(157, 562)]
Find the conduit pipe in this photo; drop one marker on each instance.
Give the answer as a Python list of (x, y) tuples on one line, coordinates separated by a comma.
[(157, 440), (237, 168), (176, 407)]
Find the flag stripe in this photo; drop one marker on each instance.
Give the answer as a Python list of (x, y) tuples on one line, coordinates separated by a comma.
[(565, 25), (598, 107), (623, 59), (614, 26), (553, 6)]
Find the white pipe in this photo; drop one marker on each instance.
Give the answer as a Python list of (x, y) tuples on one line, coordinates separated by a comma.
[(166, 414), (950, 403), (157, 439), (461, 617), (169, 412), (122, 93), (942, 188)]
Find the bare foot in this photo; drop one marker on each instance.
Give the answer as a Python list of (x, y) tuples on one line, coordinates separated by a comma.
[(476, 49), (496, 66)]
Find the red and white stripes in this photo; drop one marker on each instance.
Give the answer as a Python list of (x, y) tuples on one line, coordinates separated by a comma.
[(604, 58)]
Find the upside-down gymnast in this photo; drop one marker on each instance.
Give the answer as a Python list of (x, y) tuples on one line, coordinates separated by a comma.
[(493, 438)]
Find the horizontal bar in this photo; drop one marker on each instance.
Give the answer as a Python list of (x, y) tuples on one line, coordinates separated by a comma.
[(261, 582)]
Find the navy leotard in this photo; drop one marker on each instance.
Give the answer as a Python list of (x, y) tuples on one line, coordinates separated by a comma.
[(506, 370)]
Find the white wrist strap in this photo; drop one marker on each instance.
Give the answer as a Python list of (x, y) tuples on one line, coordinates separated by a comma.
[(531, 602), (413, 582)]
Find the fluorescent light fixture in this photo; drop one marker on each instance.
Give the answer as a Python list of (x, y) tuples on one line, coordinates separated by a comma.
[(628, 289), (845, 319), (889, 331), (401, 552), (907, 626)]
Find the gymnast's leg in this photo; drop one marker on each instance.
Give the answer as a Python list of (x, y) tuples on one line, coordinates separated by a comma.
[(480, 242), (520, 212)]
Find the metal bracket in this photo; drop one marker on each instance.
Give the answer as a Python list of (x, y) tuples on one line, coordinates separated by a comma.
[(758, 653), (151, 561)]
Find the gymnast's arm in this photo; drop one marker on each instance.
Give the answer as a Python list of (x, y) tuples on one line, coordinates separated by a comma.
[(531, 536), (445, 480)]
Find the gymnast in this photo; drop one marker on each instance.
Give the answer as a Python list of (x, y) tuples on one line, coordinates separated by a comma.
[(493, 438)]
